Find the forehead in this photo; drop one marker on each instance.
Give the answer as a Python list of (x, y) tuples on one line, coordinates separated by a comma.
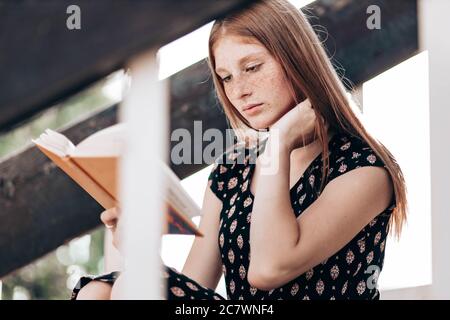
[(233, 50)]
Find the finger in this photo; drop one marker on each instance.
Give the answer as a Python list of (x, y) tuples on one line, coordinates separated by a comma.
[(110, 225), (118, 211), (304, 105), (116, 236), (115, 241), (108, 216), (106, 220), (306, 102)]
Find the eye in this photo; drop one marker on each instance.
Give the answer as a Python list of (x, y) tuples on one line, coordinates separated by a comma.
[(226, 79), (253, 68)]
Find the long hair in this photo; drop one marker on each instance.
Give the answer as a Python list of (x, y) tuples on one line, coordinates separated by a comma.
[(290, 39)]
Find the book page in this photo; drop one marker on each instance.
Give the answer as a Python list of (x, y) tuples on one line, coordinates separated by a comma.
[(108, 142), (56, 142)]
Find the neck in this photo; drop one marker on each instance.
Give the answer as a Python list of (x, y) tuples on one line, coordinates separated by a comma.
[(312, 150)]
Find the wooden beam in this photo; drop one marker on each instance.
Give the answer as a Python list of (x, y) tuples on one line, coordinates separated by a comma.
[(364, 53)]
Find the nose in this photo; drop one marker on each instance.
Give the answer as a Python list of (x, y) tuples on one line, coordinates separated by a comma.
[(241, 89)]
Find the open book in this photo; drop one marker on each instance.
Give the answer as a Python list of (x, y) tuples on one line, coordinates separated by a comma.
[(94, 164)]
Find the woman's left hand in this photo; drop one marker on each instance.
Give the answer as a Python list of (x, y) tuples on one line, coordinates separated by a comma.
[(296, 127), (111, 220)]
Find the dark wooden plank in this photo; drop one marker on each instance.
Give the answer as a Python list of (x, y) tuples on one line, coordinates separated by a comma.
[(42, 61), (361, 52)]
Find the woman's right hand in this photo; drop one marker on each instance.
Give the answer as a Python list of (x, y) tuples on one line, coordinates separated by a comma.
[(110, 219), (296, 127)]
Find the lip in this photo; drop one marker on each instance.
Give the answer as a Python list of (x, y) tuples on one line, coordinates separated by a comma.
[(251, 107)]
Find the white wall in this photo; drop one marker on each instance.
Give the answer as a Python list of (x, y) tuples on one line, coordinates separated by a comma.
[(435, 26), (396, 111)]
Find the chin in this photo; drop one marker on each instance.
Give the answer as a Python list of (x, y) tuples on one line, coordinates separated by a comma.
[(260, 124)]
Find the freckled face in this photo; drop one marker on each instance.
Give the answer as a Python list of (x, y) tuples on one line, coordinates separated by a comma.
[(251, 76)]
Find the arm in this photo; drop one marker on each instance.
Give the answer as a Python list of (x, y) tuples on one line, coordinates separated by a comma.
[(284, 247), (203, 263)]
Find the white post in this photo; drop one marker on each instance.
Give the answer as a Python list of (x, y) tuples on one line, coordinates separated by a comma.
[(434, 24), (144, 111)]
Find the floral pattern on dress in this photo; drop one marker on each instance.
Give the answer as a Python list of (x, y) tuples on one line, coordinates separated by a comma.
[(333, 277)]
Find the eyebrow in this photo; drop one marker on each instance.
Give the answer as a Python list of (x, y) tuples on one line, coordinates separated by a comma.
[(243, 60)]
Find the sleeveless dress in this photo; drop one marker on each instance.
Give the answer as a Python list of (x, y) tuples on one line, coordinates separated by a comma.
[(351, 273)]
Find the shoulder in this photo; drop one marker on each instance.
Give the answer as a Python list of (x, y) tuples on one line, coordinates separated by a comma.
[(349, 153), (354, 164)]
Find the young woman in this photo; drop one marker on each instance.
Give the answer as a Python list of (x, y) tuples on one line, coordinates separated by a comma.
[(316, 226)]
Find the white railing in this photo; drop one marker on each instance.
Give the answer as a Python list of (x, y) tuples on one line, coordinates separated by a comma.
[(144, 110)]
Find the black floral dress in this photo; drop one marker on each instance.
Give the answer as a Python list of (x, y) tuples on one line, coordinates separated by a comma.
[(351, 273)]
